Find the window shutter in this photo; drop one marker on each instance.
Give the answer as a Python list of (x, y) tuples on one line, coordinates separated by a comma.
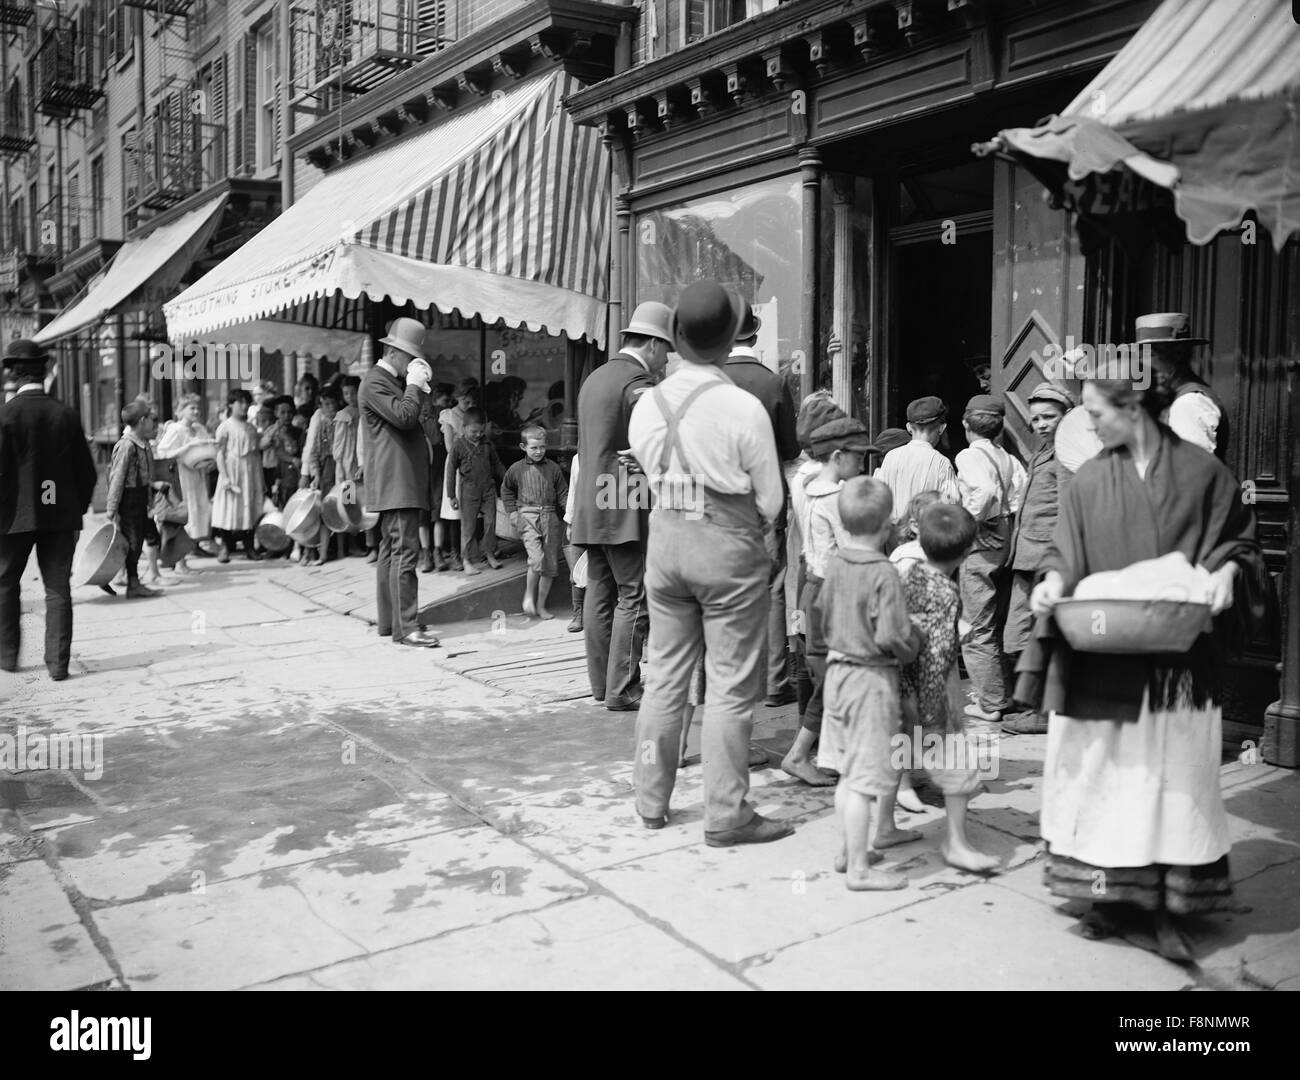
[(72, 215), (250, 104), (217, 90)]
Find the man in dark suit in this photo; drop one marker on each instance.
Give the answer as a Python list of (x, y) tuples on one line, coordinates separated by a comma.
[(396, 470), (747, 371), (46, 479), (611, 508)]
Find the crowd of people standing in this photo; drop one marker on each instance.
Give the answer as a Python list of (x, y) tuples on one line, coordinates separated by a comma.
[(757, 554)]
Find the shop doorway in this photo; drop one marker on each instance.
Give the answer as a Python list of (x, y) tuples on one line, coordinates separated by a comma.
[(940, 288)]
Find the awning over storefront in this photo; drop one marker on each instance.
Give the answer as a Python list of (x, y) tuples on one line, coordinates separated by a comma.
[(157, 261), (1204, 100), (344, 347), (498, 212)]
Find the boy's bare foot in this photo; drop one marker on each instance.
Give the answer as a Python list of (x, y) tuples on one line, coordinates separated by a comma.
[(806, 771), (842, 861), (542, 613), (892, 837), (471, 569), (965, 857), (528, 608), (909, 800), (876, 881)]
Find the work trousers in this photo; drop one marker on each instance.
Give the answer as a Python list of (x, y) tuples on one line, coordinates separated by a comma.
[(614, 619), (54, 557), (706, 586), (396, 586)]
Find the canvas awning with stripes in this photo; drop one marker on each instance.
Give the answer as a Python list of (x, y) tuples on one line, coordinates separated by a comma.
[(1204, 100), (155, 262), (500, 212)]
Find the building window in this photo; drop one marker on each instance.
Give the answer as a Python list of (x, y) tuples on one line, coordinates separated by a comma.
[(97, 197), (749, 239), (704, 17), (130, 171), (268, 96)]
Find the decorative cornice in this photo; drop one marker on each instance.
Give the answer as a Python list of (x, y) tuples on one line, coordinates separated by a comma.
[(580, 32)]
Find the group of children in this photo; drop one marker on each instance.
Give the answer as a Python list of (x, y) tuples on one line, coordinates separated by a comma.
[(881, 635)]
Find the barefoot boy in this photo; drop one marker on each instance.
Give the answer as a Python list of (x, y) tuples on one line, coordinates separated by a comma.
[(535, 493), (868, 633), (928, 682)]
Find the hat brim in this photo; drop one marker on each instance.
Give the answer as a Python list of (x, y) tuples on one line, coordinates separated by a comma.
[(646, 330), (405, 346), (1173, 341)]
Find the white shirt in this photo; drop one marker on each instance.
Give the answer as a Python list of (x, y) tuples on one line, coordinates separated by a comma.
[(913, 468), (573, 489), (981, 481), (726, 436), (1195, 418)]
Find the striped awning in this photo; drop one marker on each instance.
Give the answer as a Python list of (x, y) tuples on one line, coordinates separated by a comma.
[(1204, 100), (142, 271), (500, 212)]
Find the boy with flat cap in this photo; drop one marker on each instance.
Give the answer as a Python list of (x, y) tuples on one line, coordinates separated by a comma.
[(992, 485), (840, 447), (917, 466)]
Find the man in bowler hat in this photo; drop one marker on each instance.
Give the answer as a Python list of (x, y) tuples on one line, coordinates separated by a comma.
[(396, 471), (610, 508), (709, 452), (46, 479)]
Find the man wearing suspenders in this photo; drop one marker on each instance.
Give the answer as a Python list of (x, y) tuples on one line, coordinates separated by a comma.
[(708, 449)]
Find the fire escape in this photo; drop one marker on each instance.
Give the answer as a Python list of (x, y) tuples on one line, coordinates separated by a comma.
[(342, 48)]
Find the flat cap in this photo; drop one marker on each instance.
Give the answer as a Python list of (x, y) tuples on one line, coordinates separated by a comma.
[(986, 403), (842, 434), (891, 439), (926, 409), (1046, 391)]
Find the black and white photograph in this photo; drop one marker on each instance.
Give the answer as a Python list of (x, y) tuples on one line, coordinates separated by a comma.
[(681, 495)]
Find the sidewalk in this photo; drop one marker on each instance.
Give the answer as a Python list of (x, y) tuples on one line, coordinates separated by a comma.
[(289, 801)]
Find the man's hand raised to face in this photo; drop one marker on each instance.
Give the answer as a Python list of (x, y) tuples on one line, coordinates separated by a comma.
[(418, 374)]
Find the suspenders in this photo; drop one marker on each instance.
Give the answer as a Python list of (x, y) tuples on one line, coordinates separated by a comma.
[(672, 437)]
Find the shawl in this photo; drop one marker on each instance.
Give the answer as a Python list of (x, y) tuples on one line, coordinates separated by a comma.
[(1110, 518)]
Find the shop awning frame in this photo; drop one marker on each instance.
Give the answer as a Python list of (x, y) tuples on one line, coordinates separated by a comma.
[(1204, 100), (500, 213), (157, 260)]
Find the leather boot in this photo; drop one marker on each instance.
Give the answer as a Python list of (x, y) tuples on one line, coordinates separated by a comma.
[(575, 624)]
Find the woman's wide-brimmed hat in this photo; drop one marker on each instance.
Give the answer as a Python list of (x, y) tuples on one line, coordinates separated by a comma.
[(1166, 328), (705, 322), (407, 335), (194, 454)]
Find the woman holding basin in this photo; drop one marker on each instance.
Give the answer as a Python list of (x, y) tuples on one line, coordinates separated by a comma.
[(1132, 812)]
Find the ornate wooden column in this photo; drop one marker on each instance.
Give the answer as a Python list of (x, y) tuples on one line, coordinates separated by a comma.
[(810, 165), (842, 298), (1281, 743)]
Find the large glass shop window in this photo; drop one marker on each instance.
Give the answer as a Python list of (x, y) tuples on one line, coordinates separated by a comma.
[(750, 239)]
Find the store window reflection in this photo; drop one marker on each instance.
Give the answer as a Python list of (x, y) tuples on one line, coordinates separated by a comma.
[(749, 239)]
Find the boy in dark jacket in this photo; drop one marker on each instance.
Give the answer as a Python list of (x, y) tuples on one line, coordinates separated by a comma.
[(473, 470)]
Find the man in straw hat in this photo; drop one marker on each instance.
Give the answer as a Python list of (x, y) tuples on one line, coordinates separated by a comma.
[(396, 471), (609, 511), (46, 479), (1196, 415), (708, 450)]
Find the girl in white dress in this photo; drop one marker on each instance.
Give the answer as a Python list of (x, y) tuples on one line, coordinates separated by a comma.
[(184, 431), (238, 501)]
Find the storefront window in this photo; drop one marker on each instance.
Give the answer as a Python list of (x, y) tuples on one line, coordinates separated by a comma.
[(750, 239)]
